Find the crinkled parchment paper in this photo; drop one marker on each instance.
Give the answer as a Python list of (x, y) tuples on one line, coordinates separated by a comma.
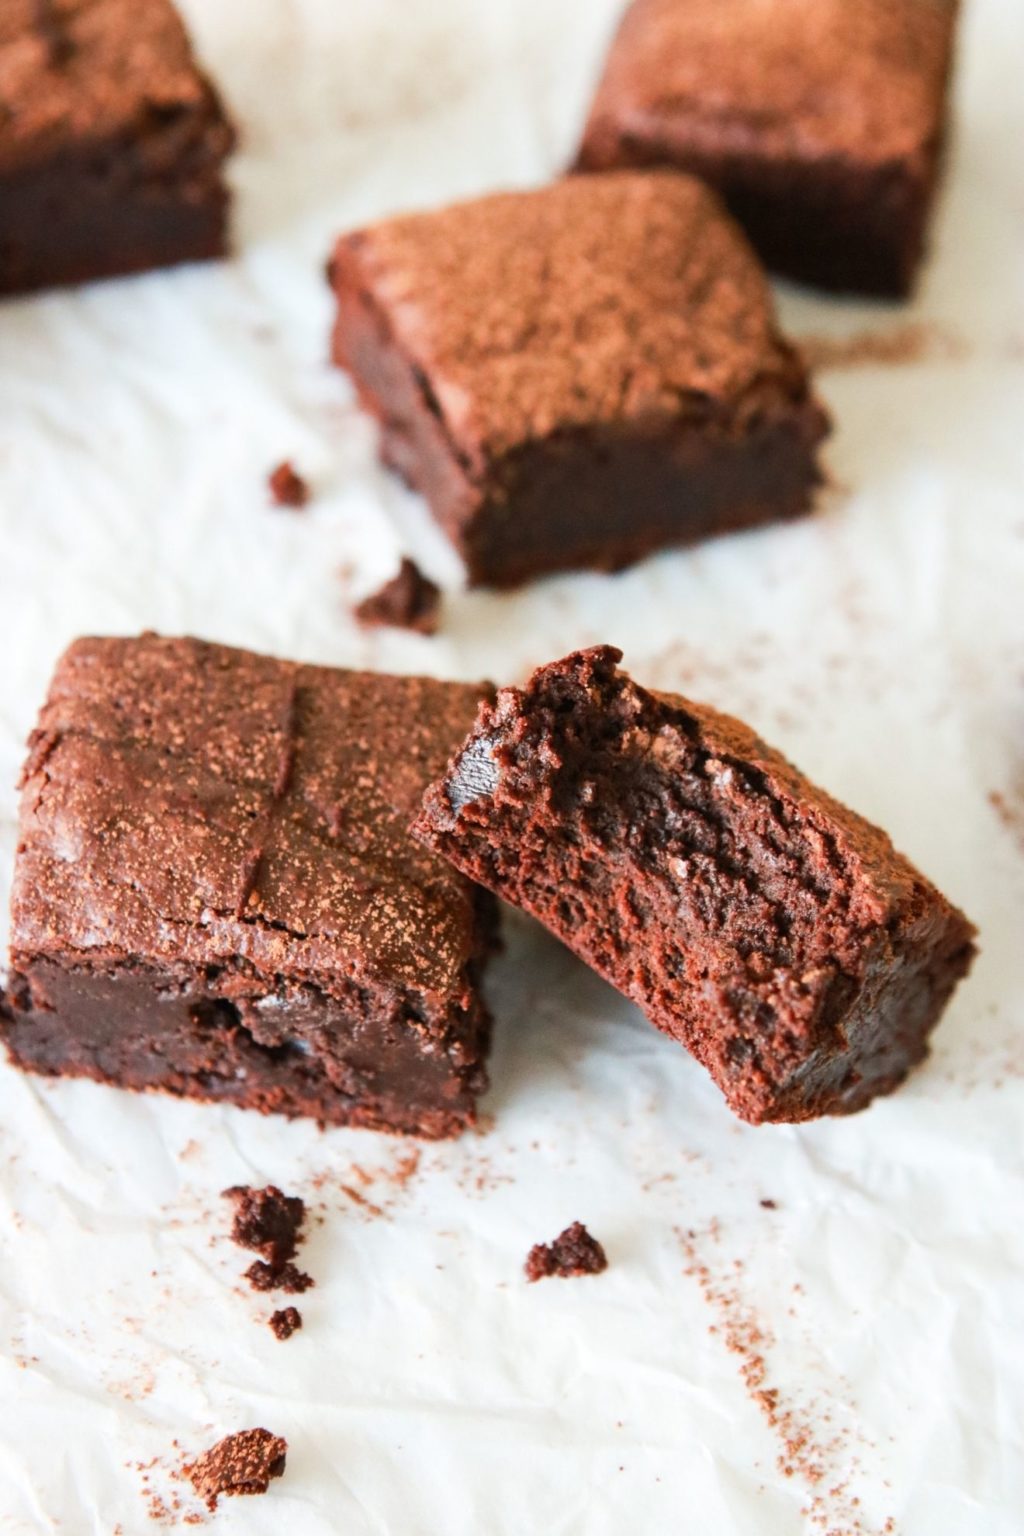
[(848, 1358)]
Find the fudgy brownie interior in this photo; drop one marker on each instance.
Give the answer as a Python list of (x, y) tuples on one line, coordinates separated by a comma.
[(775, 933)]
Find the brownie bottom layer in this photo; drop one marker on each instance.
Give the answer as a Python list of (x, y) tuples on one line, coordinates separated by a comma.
[(602, 500), (304, 1055), (60, 229)]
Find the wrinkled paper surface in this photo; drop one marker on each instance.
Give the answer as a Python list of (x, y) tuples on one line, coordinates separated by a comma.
[(848, 1359)]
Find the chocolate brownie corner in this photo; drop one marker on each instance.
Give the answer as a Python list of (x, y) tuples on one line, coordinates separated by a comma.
[(112, 143), (821, 122), (563, 399), (777, 935)]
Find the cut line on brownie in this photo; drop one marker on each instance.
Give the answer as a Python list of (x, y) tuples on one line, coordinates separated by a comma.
[(246, 917)]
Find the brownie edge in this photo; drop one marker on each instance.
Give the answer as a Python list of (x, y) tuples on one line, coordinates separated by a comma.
[(563, 401), (776, 934), (215, 893)]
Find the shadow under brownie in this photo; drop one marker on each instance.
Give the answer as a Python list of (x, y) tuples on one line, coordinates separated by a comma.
[(112, 143), (215, 893), (576, 376), (777, 935)]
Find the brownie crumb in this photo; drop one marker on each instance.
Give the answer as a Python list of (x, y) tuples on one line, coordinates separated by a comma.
[(264, 1277), (267, 1221), (409, 600), (573, 1252), (285, 1322), (287, 487), (242, 1463), (769, 1205)]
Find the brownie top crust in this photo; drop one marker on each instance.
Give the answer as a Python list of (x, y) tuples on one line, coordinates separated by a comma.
[(189, 804), (596, 300), (863, 79), (88, 69)]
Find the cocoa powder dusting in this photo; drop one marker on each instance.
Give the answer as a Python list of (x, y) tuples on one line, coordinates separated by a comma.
[(811, 1450), (914, 342)]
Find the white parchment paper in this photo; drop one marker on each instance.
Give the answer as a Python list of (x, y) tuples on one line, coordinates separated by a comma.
[(848, 1359)]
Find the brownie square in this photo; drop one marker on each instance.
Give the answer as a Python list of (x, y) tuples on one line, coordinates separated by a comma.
[(111, 143), (777, 935), (215, 893), (820, 121), (579, 375)]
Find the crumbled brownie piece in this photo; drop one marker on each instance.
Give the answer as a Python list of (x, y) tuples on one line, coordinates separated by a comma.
[(288, 488), (262, 1277), (112, 143), (773, 932), (245, 916), (242, 1463), (285, 1322), (409, 600), (821, 122), (565, 399), (267, 1221), (573, 1252)]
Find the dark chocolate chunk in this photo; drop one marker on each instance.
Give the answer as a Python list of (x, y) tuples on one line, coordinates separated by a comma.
[(776, 934), (244, 1463), (563, 398), (573, 1252)]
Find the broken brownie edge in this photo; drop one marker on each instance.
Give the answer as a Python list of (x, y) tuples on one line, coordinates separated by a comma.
[(777, 935)]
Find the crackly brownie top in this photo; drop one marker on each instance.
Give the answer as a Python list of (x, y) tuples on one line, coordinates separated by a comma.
[(85, 69), (859, 78), (626, 297), (193, 805)]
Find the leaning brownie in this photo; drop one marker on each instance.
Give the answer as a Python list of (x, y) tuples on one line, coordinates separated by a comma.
[(215, 893), (780, 937), (821, 122), (112, 143), (579, 375)]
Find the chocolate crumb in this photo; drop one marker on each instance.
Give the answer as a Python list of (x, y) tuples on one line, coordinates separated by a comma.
[(769, 1205), (287, 488), (409, 600), (242, 1463), (263, 1277), (573, 1252), (267, 1221), (285, 1322)]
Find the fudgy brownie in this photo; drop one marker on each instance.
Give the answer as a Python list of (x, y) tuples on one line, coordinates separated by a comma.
[(821, 122), (112, 143), (579, 375), (215, 892), (776, 934)]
